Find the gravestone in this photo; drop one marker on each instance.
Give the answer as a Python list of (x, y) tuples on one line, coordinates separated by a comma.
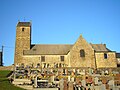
[(62, 84), (83, 82), (96, 80)]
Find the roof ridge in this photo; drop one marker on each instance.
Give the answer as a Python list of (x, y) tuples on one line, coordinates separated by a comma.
[(52, 44), (50, 49), (96, 44)]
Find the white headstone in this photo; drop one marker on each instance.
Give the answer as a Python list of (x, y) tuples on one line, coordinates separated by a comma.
[(62, 84), (96, 80), (83, 82), (111, 84), (103, 87), (78, 71), (68, 78), (35, 82), (72, 79), (52, 78)]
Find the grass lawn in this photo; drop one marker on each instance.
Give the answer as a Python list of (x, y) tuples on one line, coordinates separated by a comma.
[(4, 82)]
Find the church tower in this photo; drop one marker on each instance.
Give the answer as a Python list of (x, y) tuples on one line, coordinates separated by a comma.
[(23, 40)]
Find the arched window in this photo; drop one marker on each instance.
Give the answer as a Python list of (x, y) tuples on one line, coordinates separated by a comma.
[(82, 53), (105, 56), (23, 29)]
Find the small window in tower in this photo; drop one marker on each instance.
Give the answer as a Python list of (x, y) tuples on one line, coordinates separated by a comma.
[(42, 58), (105, 56), (82, 53), (62, 58), (23, 29)]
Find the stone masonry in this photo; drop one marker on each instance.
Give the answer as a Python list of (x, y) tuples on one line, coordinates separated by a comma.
[(29, 54), (23, 41)]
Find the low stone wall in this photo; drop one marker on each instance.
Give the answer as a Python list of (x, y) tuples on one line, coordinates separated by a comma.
[(21, 81), (11, 68)]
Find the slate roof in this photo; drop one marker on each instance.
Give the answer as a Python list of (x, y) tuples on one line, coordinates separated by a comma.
[(117, 55), (59, 49), (27, 24), (48, 49), (100, 47)]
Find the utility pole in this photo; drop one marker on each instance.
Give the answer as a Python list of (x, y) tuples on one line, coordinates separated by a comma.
[(2, 56)]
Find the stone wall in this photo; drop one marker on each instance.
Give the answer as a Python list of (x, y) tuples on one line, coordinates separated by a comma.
[(72, 59), (23, 41), (11, 68), (49, 59), (31, 61), (76, 60), (109, 62)]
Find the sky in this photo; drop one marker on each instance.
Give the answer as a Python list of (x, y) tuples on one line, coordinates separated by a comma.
[(60, 22)]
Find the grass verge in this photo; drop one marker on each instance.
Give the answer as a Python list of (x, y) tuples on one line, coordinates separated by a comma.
[(4, 82)]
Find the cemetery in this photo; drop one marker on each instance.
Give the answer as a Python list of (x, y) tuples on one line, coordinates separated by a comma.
[(66, 78)]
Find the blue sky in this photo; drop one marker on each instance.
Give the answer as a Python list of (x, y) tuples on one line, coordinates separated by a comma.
[(60, 22)]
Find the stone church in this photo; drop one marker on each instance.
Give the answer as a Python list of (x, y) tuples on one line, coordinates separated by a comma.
[(80, 54)]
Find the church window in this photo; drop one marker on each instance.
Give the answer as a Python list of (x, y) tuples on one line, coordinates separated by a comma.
[(105, 56), (23, 29), (82, 53), (42, 58), (62, 58)]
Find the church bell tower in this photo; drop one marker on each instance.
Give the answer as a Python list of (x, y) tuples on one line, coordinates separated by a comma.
[(23, 41)]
